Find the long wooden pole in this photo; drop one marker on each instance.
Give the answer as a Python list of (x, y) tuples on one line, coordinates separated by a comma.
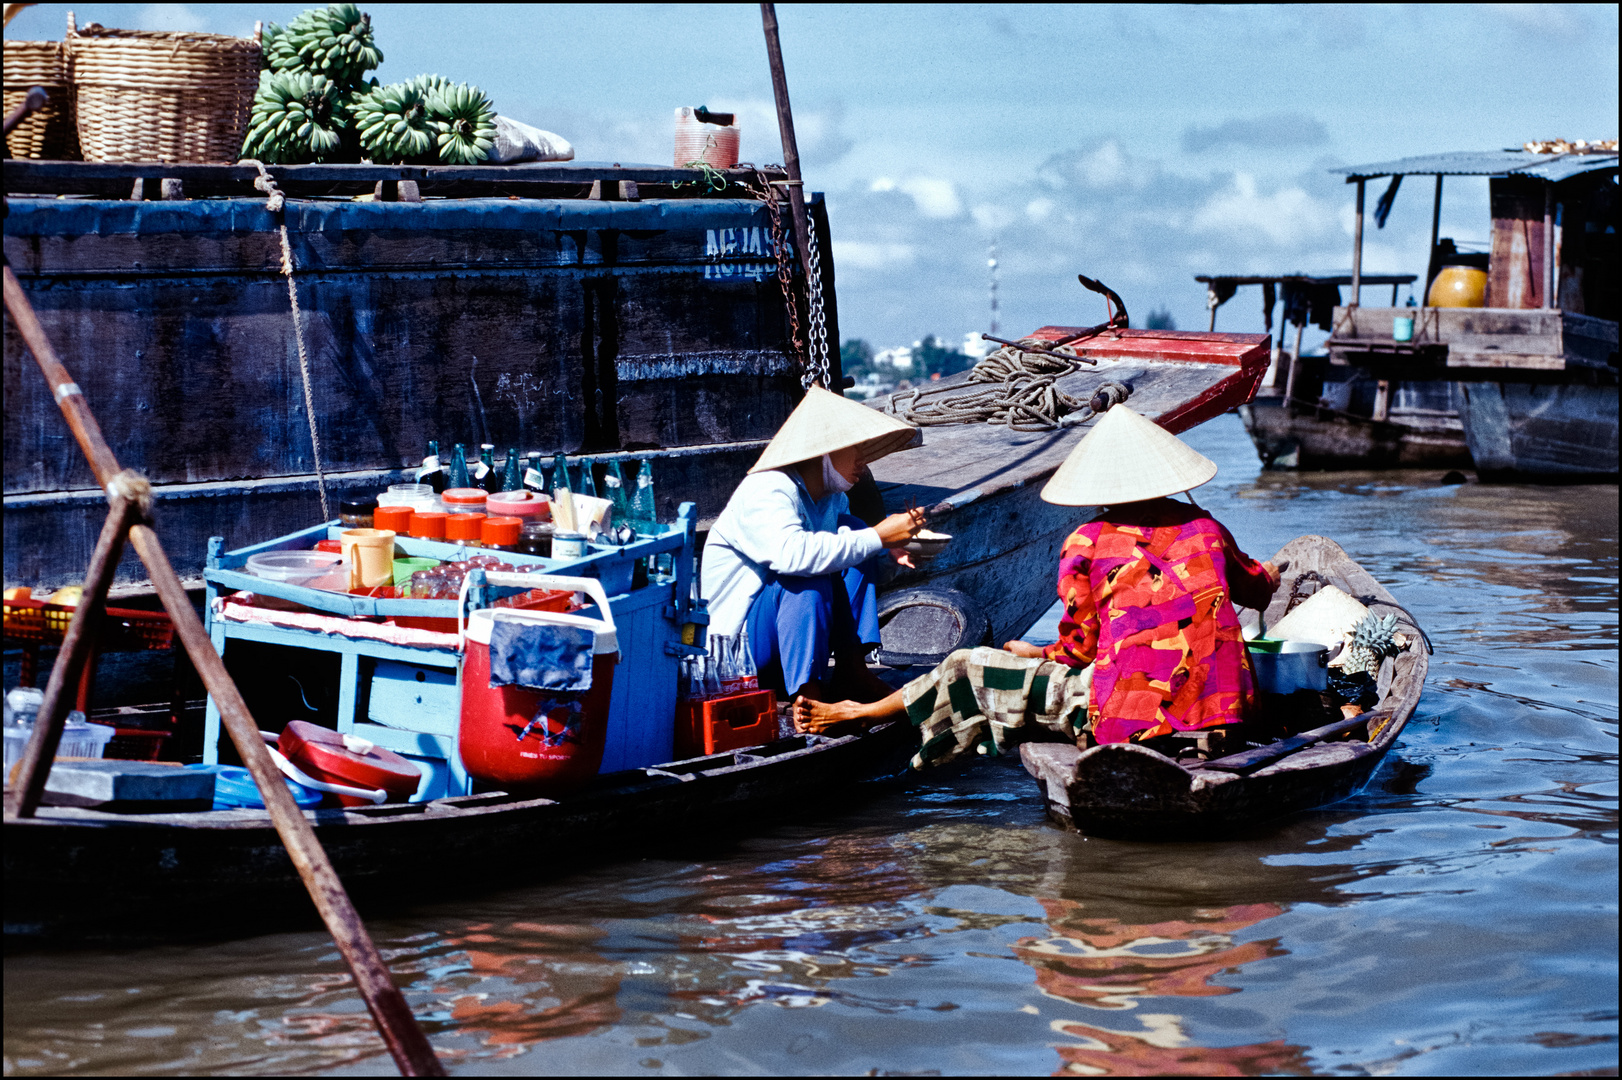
[(785, 127), (405, 1040)]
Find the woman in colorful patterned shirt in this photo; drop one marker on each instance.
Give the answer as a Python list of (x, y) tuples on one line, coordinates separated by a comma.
[(1149, 642)]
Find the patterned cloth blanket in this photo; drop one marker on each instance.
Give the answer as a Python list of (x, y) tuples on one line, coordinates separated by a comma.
[(980, 697)]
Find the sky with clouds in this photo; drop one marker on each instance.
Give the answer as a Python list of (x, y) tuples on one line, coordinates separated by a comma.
[(1136, 144)]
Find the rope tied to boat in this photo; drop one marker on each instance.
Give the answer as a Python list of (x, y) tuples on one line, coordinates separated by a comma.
[(1011, 387), (276, 203), (133, 489)]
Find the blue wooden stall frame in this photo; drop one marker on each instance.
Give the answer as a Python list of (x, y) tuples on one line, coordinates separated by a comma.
[(408, 699)]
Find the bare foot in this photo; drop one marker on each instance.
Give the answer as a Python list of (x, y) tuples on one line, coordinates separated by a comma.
[(821, 717)]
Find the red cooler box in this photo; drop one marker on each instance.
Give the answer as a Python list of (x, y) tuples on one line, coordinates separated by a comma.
[(541, 742)]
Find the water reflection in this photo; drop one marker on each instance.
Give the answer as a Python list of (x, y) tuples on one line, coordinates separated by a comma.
[(1102, 963)]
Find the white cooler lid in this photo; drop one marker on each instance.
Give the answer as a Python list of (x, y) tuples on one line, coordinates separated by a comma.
[(481, 622)]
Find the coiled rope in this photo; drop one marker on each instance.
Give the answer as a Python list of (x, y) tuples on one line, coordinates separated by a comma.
[(1010, 387)]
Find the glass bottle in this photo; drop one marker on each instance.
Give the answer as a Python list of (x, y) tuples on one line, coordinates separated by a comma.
[(644, 510), (749, 674), (458, 477), (614, 481), (487, 476), (511, 480), (562, 495), (588, 482), (532, 472), (432, 472), (712, 681)]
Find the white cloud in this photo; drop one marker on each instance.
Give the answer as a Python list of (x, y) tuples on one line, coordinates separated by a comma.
[(170, 17), (1104, 167), (883, 183), (935, 198), (1287, 217), (868, 255), (1038, 209), (992, 218)]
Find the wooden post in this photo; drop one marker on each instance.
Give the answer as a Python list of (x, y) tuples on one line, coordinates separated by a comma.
[(404, 1039), (1382, 400), (1357, 249), (1436, 238), (1549, 302), (1295, 364)]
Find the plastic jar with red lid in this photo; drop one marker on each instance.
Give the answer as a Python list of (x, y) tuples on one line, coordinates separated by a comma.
[(501, 533), (429, 524), (464, 530)]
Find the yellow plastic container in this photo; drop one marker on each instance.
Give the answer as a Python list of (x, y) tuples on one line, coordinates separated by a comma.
[(370, 555), (1458, 286)]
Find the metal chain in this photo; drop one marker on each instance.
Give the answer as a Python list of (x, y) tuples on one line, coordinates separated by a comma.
[(817, 372), (763, 191), (275, 202)]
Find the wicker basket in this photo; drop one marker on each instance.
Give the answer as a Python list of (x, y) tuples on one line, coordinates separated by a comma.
[(142, 95), (49, 132)]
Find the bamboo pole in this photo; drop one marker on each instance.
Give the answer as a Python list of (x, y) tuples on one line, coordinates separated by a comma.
[(404, 1039)]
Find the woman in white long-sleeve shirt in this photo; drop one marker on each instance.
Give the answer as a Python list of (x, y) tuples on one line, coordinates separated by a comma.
[(787, 561)]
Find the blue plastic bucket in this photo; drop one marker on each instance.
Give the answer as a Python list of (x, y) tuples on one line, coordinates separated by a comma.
[(234, 789)]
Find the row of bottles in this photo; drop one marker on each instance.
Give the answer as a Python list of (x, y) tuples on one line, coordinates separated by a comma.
[(634, 506), (728, 668)]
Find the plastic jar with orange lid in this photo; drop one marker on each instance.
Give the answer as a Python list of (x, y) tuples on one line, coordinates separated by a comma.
[(501, 533), (464, 530), (429, 524)]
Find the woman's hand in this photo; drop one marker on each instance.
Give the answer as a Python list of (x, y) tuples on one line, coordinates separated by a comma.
[(1024, 648), (897, 529)]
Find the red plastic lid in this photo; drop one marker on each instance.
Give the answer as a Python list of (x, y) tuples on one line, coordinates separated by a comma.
[(429, 524), (501, 531), (328, 545), (397, 518), (464, 526), (464, 496), (322, 753)]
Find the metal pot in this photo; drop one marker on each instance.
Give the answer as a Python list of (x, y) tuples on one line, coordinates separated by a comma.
[(1283, 667)]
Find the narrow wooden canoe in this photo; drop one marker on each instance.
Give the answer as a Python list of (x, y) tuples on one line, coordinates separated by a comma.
[(77, 874), (1129, 790)]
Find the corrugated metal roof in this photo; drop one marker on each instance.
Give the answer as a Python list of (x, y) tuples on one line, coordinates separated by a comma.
[(1486, 163)]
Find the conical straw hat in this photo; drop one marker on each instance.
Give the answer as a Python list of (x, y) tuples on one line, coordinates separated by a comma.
[(825, 422), (1124, 458)]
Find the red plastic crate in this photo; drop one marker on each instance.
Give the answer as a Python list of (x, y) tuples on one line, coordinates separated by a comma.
[(725, 723), (123, 629)]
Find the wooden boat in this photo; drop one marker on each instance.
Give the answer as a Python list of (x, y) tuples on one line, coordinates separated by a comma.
[(1131, 790), (1002, 561), (78, 873), (1330, 424)]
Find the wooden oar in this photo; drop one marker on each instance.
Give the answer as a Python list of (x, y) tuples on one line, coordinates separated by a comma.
[(1251, 760), (130, 495)]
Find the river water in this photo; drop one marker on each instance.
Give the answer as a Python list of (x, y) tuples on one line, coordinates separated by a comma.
[(1459, 916)]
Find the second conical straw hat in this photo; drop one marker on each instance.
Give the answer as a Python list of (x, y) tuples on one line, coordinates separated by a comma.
[(824, 422), (1125, 458)]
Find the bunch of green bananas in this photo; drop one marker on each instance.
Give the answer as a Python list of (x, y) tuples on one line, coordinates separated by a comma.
[(296, 118), (334, 41), (395, 125), (465, 121)]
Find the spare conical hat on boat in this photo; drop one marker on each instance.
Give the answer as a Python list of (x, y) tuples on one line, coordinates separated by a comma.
[(825, 422), (1124, 458)]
